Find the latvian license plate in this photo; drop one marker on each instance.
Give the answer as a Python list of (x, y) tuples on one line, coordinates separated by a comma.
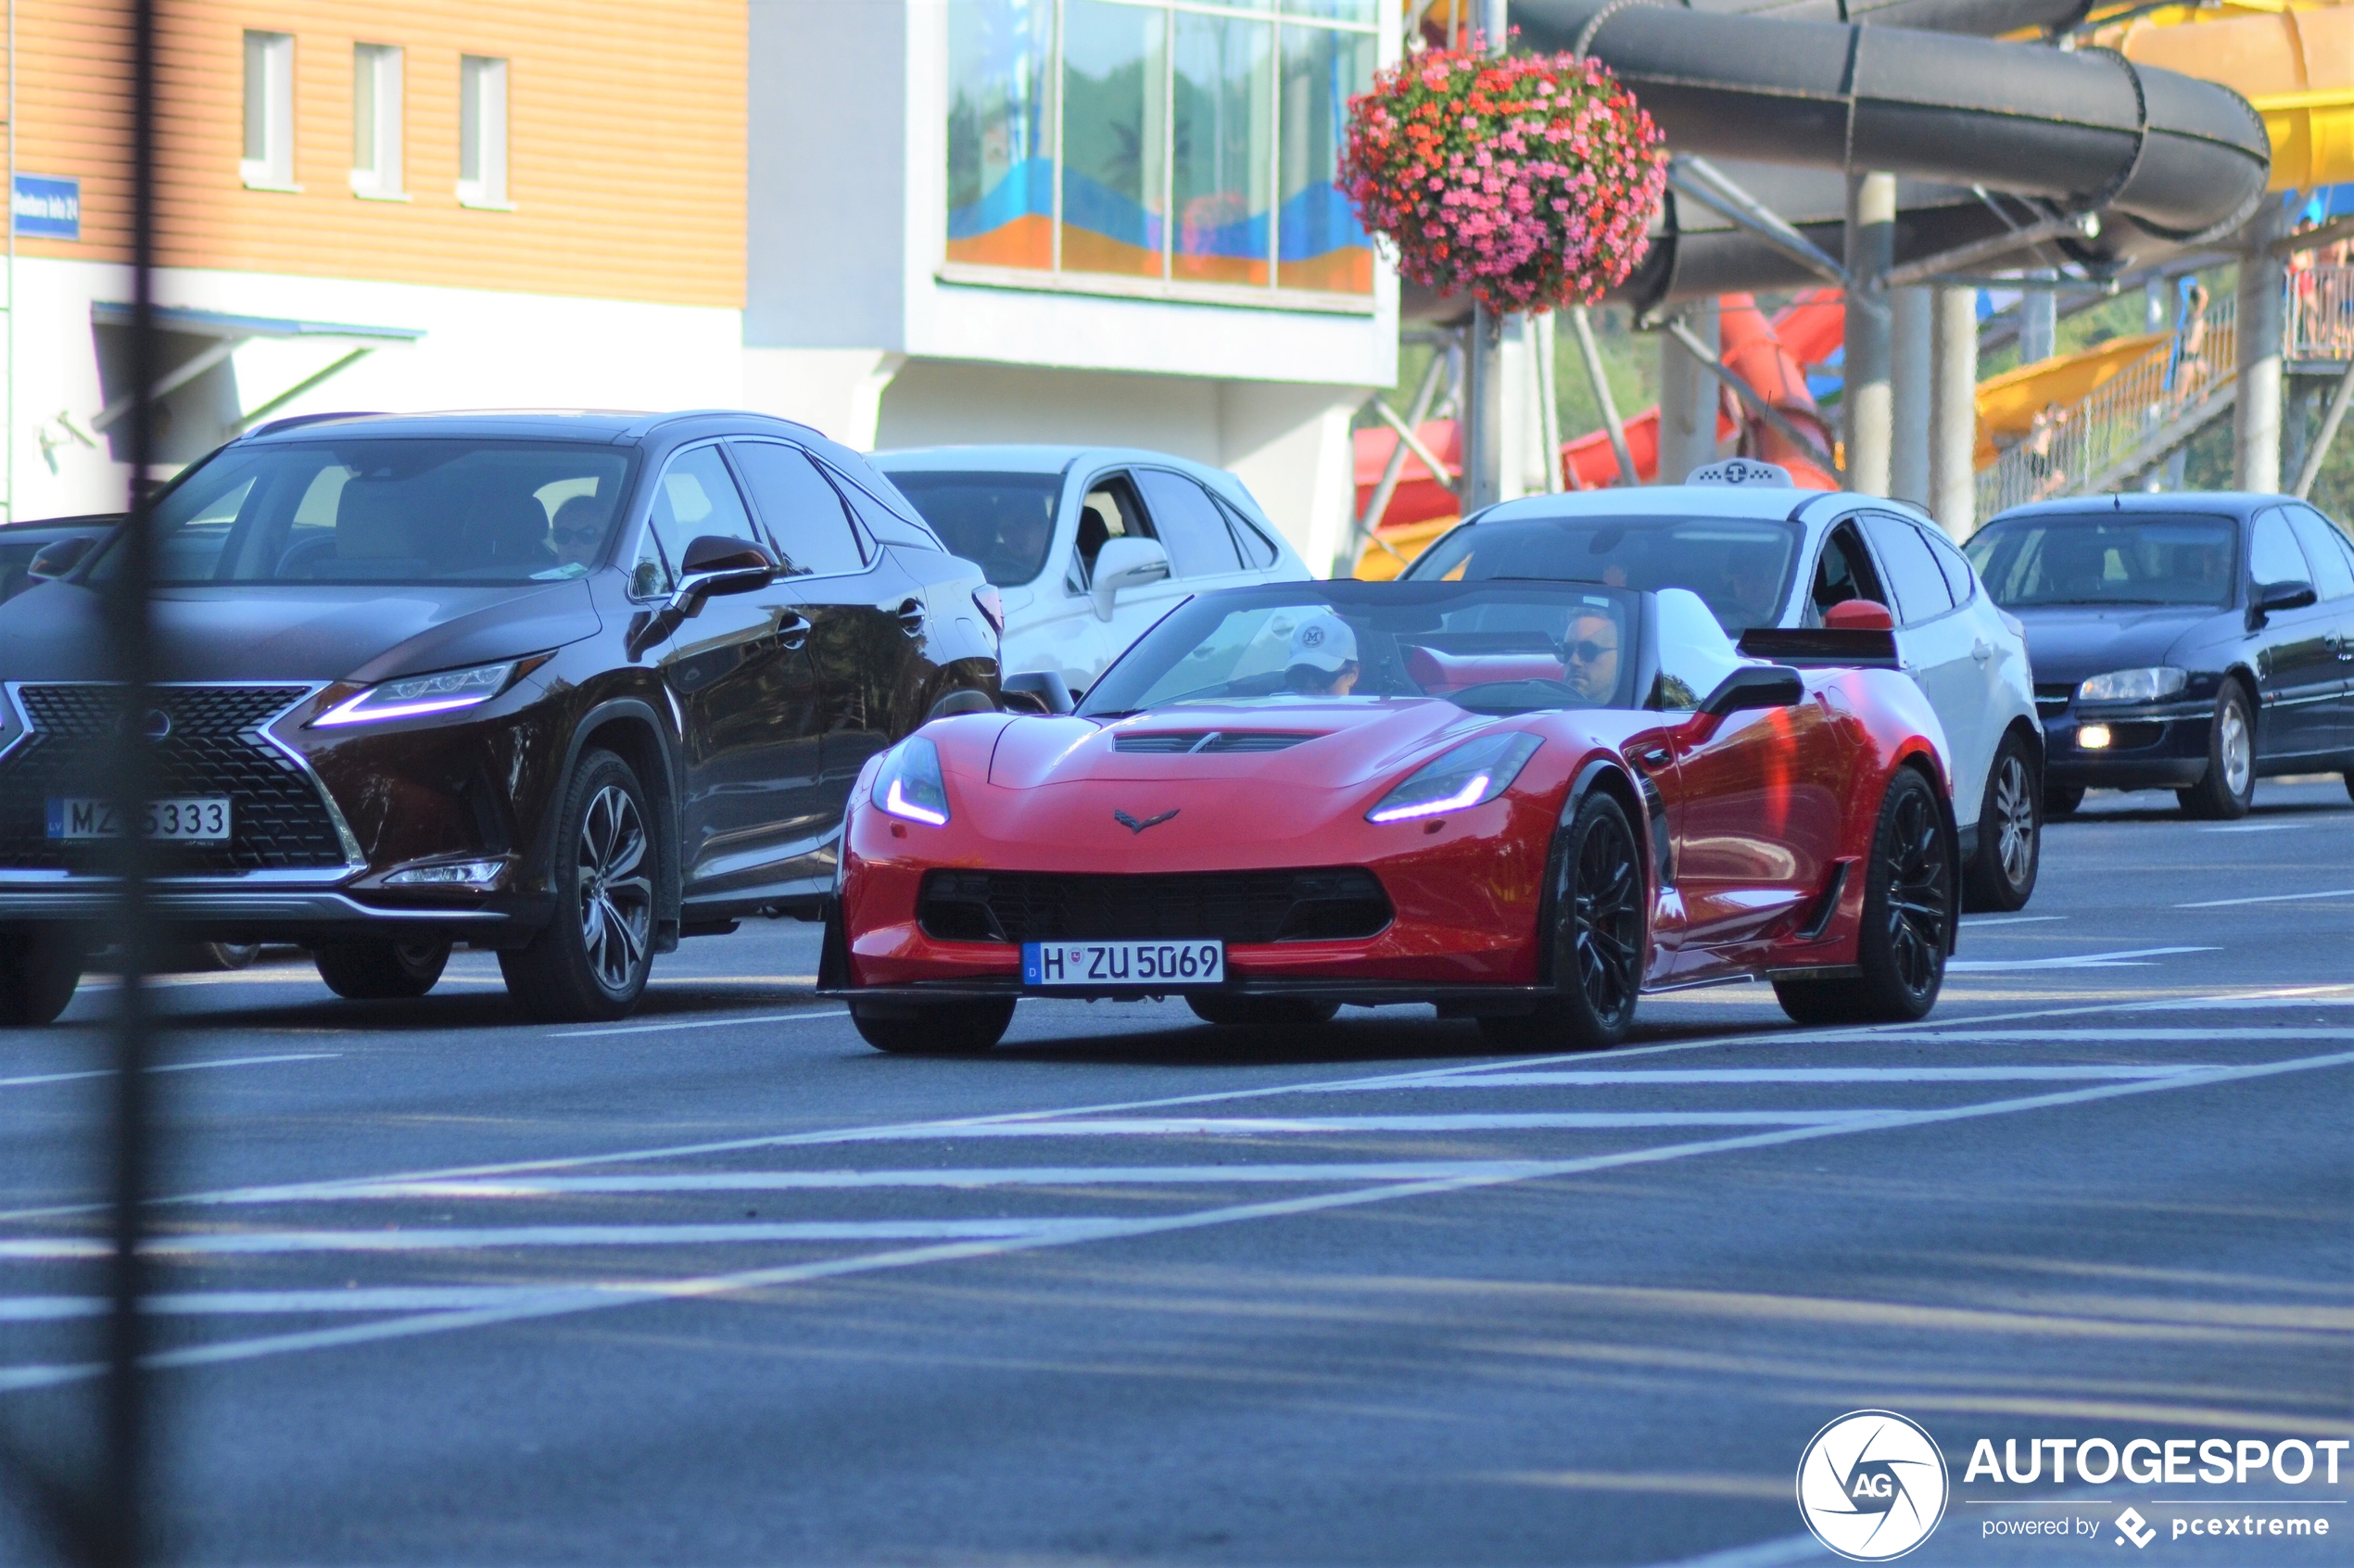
[(191, 819), (1086, 964)]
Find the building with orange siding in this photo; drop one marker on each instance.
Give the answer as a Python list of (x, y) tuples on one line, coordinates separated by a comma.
[(904, 220), (600, 262)]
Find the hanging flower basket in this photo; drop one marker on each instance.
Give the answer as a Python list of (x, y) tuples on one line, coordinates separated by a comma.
[(1527, 180)]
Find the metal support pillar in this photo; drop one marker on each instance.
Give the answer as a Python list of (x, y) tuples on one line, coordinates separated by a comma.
[(1482, 483), (1909, 395), (1953, 411), (1688, 400), (2256, 413), (1483, 415), (2317, 453), (1581, 322), (2038, 322), (1871, 246)]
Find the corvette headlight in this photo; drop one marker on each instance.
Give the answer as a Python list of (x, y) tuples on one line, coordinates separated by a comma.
[(909, 784), (1472, 774), (2132, 686), (412, 696)]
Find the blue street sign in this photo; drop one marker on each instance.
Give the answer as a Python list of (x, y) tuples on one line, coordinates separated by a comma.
[(47, 208)]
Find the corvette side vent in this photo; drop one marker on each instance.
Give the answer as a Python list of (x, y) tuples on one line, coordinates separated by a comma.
[(1186, 741)]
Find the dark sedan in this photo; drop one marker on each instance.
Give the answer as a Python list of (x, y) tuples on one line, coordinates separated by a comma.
[(2190, 642), (568, 686)]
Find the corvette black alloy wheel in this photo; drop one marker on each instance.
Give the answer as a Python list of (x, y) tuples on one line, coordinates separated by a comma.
[(592, 960), (1908, 919), (941, 1028), (1598, 895)]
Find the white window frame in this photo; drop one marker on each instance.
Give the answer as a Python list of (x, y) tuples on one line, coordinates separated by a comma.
[(268, 161), (482, 133), (377, 105)]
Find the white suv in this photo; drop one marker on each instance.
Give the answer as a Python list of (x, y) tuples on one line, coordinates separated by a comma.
[(1762, 554), (1088, 545)]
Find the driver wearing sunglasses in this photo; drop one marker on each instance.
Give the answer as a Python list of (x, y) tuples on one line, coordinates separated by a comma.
[(577, 530), (1589, 656)]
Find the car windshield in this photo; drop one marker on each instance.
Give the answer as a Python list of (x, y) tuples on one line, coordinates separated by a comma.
[(1740, 568), (390, 509), (2105, 558), (1003, 522), (1494, 647)]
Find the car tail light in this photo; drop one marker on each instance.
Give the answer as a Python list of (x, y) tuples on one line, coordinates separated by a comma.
[(991, 606)]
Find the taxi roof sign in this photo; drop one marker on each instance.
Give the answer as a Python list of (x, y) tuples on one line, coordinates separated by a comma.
[(1742, 471)]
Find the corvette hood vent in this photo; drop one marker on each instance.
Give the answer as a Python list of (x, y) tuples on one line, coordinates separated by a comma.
[(1190, 741)]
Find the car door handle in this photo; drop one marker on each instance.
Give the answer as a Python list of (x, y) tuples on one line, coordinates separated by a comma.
[(793, 633), (1981, 651), (1655, 756), (911, 617)]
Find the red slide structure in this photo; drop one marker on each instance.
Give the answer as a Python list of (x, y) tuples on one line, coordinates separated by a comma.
[(1770, 358)]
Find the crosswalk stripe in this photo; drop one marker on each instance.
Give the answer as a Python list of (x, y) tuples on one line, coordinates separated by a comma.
[(1778, 1075)]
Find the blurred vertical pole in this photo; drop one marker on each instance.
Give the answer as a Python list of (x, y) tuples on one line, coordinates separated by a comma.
[(1483, 481), (1872, 243), (121, 1532), (2256, 413), (1952, 410), (1909, 395)]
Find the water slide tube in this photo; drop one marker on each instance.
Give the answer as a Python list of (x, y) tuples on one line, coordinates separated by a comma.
[(2164, 160), (2295, 65)]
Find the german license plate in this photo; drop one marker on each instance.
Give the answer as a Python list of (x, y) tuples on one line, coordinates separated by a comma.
[(1050, 964), (190, 820)]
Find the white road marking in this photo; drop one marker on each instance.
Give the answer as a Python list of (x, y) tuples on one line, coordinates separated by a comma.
[(2258, 827), (567, 1301), (2340, 994), (1800, 1075), (2126, 959), (252, 1303), (1981, 924), (701, 1023), (171, 1066), (2268, 898), (427, 1239), (966, 1177)]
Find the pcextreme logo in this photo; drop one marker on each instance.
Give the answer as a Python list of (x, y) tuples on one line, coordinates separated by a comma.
[(1872, 1486)]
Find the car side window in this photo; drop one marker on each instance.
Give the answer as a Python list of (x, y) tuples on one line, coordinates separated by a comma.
[(2325, 549), (2273, 555), (1189, 524), (805, 515), (696, 496), (1844, 571), (1959, 580), (1257, 550), (1110, 512), (1913, 571)]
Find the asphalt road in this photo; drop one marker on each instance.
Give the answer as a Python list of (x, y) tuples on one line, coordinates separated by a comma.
[(722, 1286)]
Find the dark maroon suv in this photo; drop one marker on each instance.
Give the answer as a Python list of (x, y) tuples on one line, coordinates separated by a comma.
[(564, 686)]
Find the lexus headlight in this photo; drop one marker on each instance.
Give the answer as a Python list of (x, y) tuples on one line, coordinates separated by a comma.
[(2132, 686), (909, 785), (412, 696), (1472, 774)]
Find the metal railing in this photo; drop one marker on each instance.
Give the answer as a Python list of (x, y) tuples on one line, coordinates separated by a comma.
[(2320, 314), (2129, 422)]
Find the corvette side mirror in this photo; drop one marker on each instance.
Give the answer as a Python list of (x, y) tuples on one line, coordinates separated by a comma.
[(58, 557), (1126, 563), (1859, 615), (1755, 686)]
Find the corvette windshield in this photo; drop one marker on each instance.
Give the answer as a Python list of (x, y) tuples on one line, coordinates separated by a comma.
[(1489, 646), (390, 509), (1740, 567)]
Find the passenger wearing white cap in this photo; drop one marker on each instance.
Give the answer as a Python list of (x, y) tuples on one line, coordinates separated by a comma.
[(1323, 657)]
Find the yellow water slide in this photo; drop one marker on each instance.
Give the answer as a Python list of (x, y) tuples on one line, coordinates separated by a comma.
[(2293, 60)]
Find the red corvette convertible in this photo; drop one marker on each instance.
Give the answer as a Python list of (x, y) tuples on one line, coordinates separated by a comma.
[(1527, 803)]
